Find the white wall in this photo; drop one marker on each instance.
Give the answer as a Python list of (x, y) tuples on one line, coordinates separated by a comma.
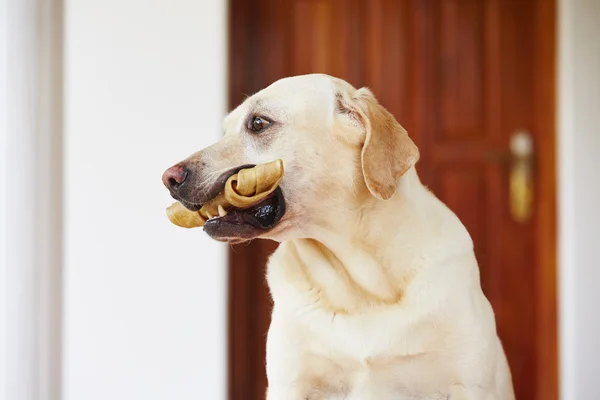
[(144, 303), (579, 197), (3, 198)]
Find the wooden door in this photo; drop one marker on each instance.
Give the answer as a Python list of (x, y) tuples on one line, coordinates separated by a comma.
[(461, 76)]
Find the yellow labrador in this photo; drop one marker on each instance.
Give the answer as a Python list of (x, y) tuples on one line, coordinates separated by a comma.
[(375, 284)]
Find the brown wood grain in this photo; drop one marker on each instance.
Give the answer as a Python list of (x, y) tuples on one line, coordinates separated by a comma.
[(461, 76), (544, 126)]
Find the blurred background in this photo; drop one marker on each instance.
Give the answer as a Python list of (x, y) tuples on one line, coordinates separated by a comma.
[(102, 298)]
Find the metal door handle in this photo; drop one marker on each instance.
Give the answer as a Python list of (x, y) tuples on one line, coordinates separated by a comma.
[(521, 176)]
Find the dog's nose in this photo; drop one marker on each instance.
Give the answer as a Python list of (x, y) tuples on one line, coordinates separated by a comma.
[(175, 177)]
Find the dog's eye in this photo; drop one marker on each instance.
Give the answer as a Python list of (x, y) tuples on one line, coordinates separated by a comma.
[(258, 124)]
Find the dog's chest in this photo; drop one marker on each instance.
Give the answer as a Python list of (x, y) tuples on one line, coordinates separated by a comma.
[(366, 338), (382, 356), (384, 378)]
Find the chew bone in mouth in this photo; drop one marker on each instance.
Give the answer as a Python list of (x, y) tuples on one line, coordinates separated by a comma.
[(242, 190)]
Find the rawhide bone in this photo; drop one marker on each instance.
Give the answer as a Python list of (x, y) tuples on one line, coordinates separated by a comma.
[(244, 189)]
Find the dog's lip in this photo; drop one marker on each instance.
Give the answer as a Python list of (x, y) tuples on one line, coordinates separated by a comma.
[(212, 190), (248, 223)]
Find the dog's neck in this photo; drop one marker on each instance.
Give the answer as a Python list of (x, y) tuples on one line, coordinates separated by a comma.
[(367, 255)]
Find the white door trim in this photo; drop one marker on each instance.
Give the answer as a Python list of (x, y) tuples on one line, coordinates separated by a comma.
[(32, 199)]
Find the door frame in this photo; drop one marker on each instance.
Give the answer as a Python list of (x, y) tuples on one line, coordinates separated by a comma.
[(244, 369), (31, 239), (545, 224)]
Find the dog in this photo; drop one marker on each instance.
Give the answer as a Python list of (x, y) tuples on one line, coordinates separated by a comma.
[(375, 284)]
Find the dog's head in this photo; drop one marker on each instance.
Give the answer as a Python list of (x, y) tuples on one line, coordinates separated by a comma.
[(339, 147)]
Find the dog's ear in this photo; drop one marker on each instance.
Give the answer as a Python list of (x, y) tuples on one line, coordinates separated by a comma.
[(388, 152)]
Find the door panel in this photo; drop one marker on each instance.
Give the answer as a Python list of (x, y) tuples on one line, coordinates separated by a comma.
[(461, 76), (313, 28), (461, 71)]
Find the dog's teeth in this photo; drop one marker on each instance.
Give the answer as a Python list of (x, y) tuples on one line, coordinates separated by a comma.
[(210, 216), (222, 211)]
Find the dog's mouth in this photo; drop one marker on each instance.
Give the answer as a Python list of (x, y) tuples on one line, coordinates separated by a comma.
[(240, 224), (248, 222)]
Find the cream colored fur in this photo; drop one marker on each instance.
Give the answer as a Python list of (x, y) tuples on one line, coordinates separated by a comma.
[(373, 299)]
